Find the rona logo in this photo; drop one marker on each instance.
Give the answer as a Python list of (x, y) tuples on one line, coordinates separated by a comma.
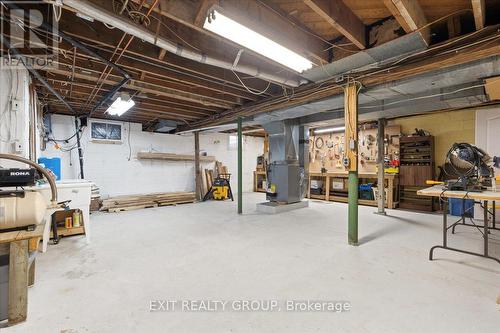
[(20, 173)]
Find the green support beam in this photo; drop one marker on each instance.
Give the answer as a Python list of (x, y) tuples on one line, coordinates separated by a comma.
[(353, 208), (240, 166)]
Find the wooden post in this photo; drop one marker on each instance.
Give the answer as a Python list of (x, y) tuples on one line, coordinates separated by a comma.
[(351, 158), (31, 273), (197, 171), (18, 282), (381, 165)]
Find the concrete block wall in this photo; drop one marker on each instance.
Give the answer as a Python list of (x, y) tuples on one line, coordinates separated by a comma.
[(108, 165), (446, 127)]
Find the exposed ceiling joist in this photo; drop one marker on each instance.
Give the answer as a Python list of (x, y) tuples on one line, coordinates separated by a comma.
[(410, 16), (479, 9), (201, 12), (257, 15), (341, 17)]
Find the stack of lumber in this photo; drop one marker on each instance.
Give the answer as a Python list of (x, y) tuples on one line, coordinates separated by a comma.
[(208, 176), (95, 201), (131, 202)]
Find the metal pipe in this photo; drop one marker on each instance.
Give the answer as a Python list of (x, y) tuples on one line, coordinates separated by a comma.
[(381, 172), (44, 172), (79, 147), (100, 14), (240, 166)]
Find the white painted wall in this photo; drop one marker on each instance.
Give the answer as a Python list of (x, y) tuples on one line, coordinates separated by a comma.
[(108, 165), (14, 125), (488, 139)]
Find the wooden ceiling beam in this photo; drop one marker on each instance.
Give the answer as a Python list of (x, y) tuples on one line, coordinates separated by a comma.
[(410, 16), (479, 9), (139, 53), (342, 18), (134, 111), (162, 80), (85, 88), (434, 62), (140, 105), (253, 14), (147, 87)]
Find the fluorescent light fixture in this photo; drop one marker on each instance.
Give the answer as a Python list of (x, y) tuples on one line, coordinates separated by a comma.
[(329, 130), (121, 105), (232, 30)]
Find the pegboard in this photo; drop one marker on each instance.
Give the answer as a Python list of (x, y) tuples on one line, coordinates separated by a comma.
[(326, 150)]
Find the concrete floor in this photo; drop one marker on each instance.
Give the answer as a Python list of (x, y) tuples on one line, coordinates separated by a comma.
[(205, 251)]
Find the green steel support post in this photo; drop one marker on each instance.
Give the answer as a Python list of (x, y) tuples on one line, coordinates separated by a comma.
[(240, 167), (353, 208)]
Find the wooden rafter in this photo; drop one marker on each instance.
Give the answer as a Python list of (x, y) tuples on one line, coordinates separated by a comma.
[(479, 9), (410, 16), (341, 17)]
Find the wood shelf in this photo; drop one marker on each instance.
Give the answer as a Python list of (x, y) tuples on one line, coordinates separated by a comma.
[(172, 157), (62, 231), (392, 181), (258, 178)]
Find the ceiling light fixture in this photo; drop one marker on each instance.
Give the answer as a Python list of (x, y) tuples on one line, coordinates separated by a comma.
[(329, 130), (222, 25), (121, 105)]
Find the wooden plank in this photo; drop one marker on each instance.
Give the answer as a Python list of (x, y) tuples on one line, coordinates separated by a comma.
[(172, 157), (201, 12), (341, 17), (410, 16), (64, 232), (479, 10), (18, 282), (492, 88), (438, 191), (128, 208), (7, 237)]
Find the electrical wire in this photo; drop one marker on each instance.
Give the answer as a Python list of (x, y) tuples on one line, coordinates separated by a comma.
[(252, 91), (57, 12)]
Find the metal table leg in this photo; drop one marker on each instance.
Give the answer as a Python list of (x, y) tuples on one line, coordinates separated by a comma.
[(486, 222), (445, 240)]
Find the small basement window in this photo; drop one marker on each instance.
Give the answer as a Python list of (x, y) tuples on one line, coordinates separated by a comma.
[(106, 132)]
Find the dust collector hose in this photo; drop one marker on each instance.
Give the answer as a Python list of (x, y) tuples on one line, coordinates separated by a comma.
[(44, 172)]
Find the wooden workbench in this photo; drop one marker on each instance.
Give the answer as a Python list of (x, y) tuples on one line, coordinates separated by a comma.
[(18, 245), (483, 198), (391, 180)]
